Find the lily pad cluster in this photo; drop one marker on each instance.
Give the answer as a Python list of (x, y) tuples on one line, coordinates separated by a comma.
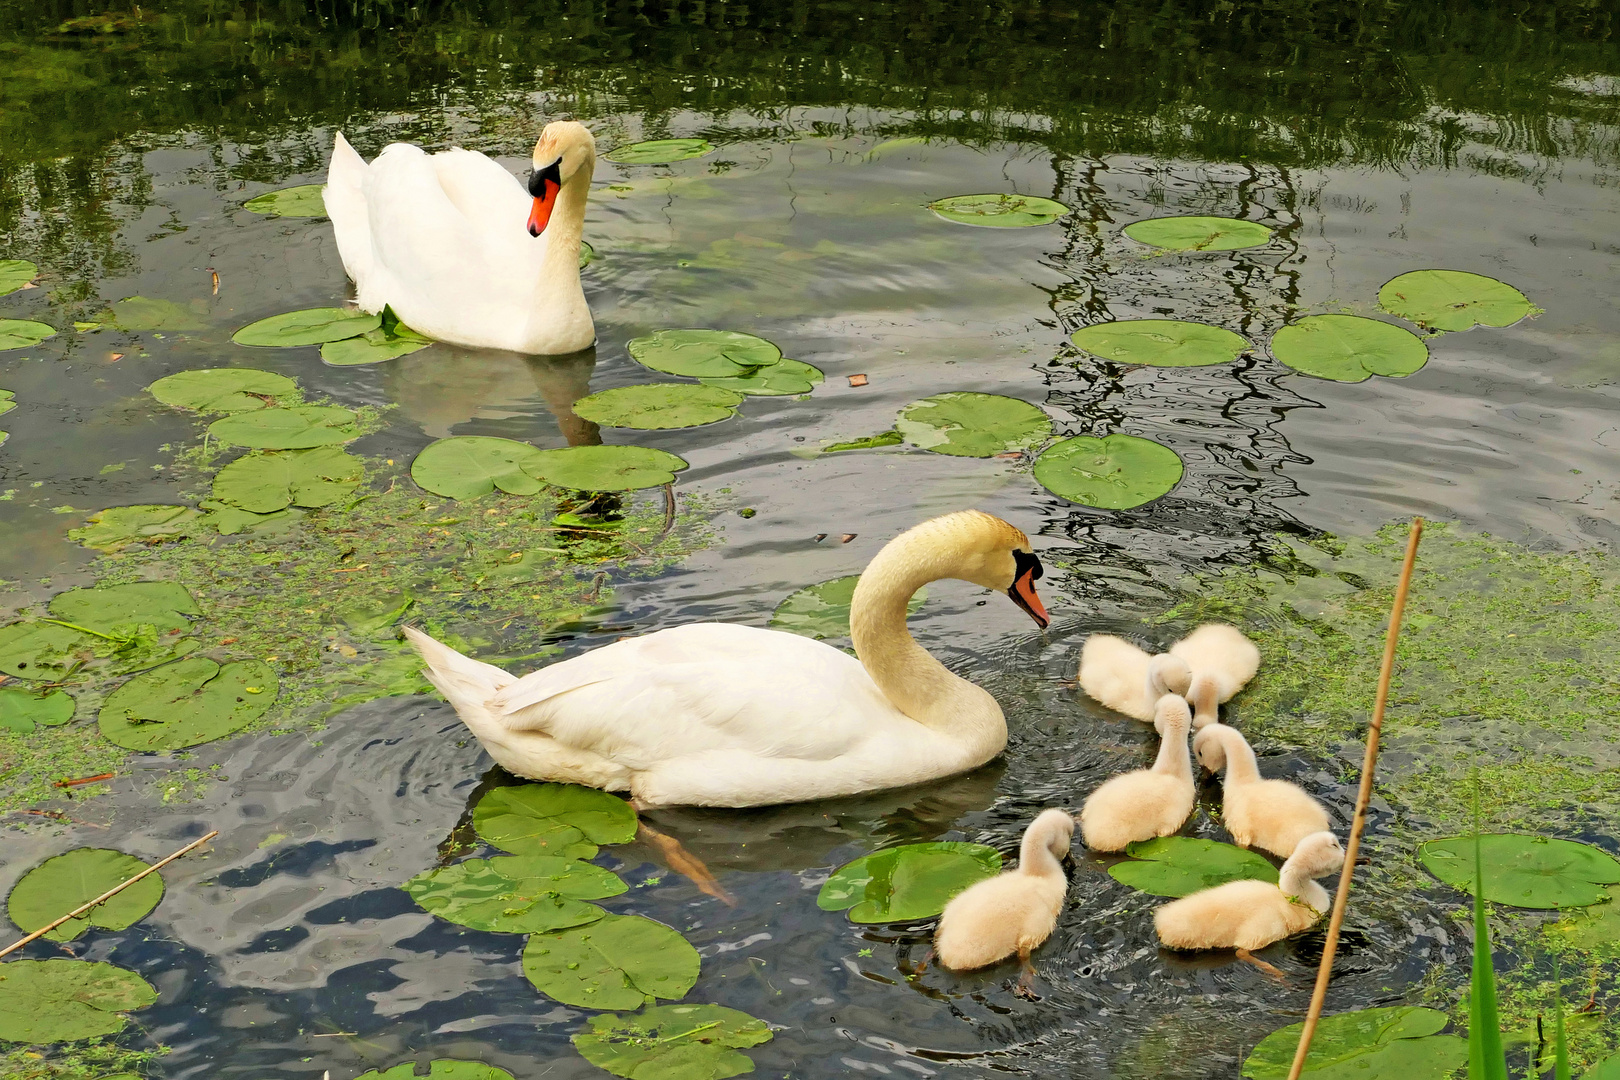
[(725, 360), (347, 337), (907, 883), (468, 466)]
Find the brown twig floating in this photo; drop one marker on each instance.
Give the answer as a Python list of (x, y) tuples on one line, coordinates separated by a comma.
[(84, 780), (1363, 796)]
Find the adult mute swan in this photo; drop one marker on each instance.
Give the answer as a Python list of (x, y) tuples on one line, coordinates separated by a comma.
[(716, 714), (461, 252)]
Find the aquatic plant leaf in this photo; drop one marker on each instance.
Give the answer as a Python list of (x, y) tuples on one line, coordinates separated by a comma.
[(882, 438), (1525, 871), (370, 614), (187, 702), (673, 1042), (652, 406), (1160, 342), (1193, 233), (467, 466), (1182, 865), (965, 424), (8, 401), (389, 341), (312, 326), (704, 354), (68, 881), (822, 611), (1002, 211), (659, 151), (44, 650), (144, 313), (439, 1069), (303, 200), (119, 526), (22, 333), (605, 468), (1486, 1060), (775, 380), (23, 710), (223, 390), (118, 609), (553, 819), (587, 254), (296, 428), (46, 1001), (1117, 472), (906, 883), (1453, 300), (1607, 1069), (15, 273), (267, 482), (1369, 1043), (1348, 348), (515, 894), (618, 962), (1594, 928), (229, 520)]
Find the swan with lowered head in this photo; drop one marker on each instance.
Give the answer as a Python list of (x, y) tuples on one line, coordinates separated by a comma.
[(1222, 662), (460, 250), (1207, 667), (716, 714), (1246, 915), (1273, 815), (1148, 802)]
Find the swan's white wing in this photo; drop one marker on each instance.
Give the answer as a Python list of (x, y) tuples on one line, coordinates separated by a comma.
[(493, 202), (1114, 673), (1222, 651), (345, 198)]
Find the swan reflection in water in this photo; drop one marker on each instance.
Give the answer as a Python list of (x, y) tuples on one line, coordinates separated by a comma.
[(446, 386)]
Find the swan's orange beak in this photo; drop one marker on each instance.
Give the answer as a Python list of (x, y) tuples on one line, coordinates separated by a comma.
[(1023, 588), (544, 185)]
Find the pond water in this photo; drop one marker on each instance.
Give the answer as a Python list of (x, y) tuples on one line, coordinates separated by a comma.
[(1465, 136)]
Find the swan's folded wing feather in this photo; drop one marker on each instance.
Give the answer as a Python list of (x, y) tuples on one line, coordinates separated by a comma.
[(492, 200), (1114, 673), (345, 199)]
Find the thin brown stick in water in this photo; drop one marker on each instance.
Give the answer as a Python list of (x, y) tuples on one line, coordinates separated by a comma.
[(669, 509), (1359, 822)]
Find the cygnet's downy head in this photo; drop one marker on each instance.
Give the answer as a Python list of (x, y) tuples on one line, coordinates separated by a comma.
[(564, 147), (1209, 748), (1167, 674), (1171, 716), (1317, 855), (1054, 829)]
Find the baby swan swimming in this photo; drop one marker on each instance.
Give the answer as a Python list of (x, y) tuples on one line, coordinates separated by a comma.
[(1273, 815), (1207, 667), (1148, 802), (1014, 912), (1222, 662)]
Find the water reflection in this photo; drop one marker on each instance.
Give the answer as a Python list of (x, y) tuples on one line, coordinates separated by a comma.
[(453, 386)]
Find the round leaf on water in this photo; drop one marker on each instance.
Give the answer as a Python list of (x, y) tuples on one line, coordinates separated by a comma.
[(822, 611), (673, 1042), (297, 428), (119, 526), (605, 468), (618, 962), (45, 1001), (374, 346), (659, 151), (312, 326), (775, 380), (302, 201), (44, 650), (704, 354), (23, 710), (902, 884), (1595, 928), (145, 313), (1002, 211), (66, 882), (116, 609), (267, 482), (1453, 300), (22, 333), (1160, 342), (658, 405), (439, 1069), (1117, 472), (1525, 871), (1371, 1043), (1181, 865), (467, 466), (1348, 348), (15, 273), (515, 894), (186, 703), (1199, 233), (223, 390), (966, 424), (553, 819)]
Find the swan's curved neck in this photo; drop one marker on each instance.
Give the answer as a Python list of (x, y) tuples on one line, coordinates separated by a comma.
[(1205, 697), (1293, 881), (1036, 857), (565, 230), (1241, 765), (1175, 758)]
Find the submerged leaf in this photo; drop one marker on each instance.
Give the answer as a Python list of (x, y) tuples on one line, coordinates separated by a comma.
[(822, 611), (439, 1069), (704, 354), (515, 894), (774, 380), (46, 1001), (66, 882), (1348, 348), (266, 482), (467, 466), (119, 526), (553, 819), (1595, 928), (45, 650), (1453, 300), (1002, 211), (659, 151), (906, 883), (389, 341), (23, 710), (1118, 472), (15, 273), (882, 438), (617, 962), (1395, 1042), (1525, 871), (186, 703), (1181, 865), (312, 326), (605, 468), (302, 201), (296, 428), (1194, 233), (223, 390), (22, 333), (145, 313), (1160, 342), (659, 405), (966, 424), (673, 1042)]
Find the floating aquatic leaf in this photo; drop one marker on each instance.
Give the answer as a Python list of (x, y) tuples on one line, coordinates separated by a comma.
[(392, 339), (1525, 871), (312, 326), (1607, 1069), (224, 390), (553, 819), (467, 466), (302, 201), (618, 962), (774, 380), (22, 333), (1180, 865), (1199, 233), (1348, 348), (23, 710), (66, 882), (44, 650), (1117, 472), (659, 151), (659, 405), (145, 313), (906, 883), (266, 482), (188, 702), (673, 1042), (46, 1001), (1595, 927), (1372, 1043), (822, 611), (8, 401), (704, 354), (966, 424), (119, 526), (1160, 342), (229, 520), (439, 1069), (368, 615), (296, 428), (515, 894), (15, 273), (882, 438), (1453, 300), (605, 468), (1002, 211), (118, 609), (587, 254)]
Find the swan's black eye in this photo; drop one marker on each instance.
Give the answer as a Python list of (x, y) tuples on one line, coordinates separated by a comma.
[(1027, 561)]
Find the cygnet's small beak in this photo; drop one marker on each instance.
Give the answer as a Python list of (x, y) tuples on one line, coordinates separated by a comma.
[(1023, 588), (544, 184)]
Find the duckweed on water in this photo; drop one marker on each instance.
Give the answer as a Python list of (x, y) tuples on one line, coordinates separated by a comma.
[(90, 1060)]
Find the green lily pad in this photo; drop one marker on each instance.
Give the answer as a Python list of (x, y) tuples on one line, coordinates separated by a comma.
[(23, 710), (659, 151), (439, 1069), (1369, 1044), (267, 482), (467, 466), (46, 1001), (1607, 1069), (132, 626), (1181, 865), (45, 650), (822, 611), (144, 313), (1160, 342), (68, 881), (965, 424), (391, 339), (515, 894), (587, 254), (704, 354), (1199, 233), (653, 406), (15, 273), (118, 609), (1348, 348), (553, 819), (8, 401), (673, 1042), (774, 380), (1595, 927), (302, 201), (223, 390), (882, 438), (188, 702), (1453, 300), (119, 526), (229, 521), (22, 333), (312, 326), (1117, 472), (1002, 211), (618, 962), (906, 883), (1525, 871), (296, 428), (605, 468)]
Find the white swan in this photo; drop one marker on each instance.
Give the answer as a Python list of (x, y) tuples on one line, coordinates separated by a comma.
[(1148, 802), (1274, 815), (1206, 667), (461, 252), (715, 714), (1246, 915)]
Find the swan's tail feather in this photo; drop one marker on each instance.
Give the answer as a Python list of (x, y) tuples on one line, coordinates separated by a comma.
[(466, 683), (345, 198)]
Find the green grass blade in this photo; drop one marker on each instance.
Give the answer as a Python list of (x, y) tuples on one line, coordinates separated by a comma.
[(1486, 1061)]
